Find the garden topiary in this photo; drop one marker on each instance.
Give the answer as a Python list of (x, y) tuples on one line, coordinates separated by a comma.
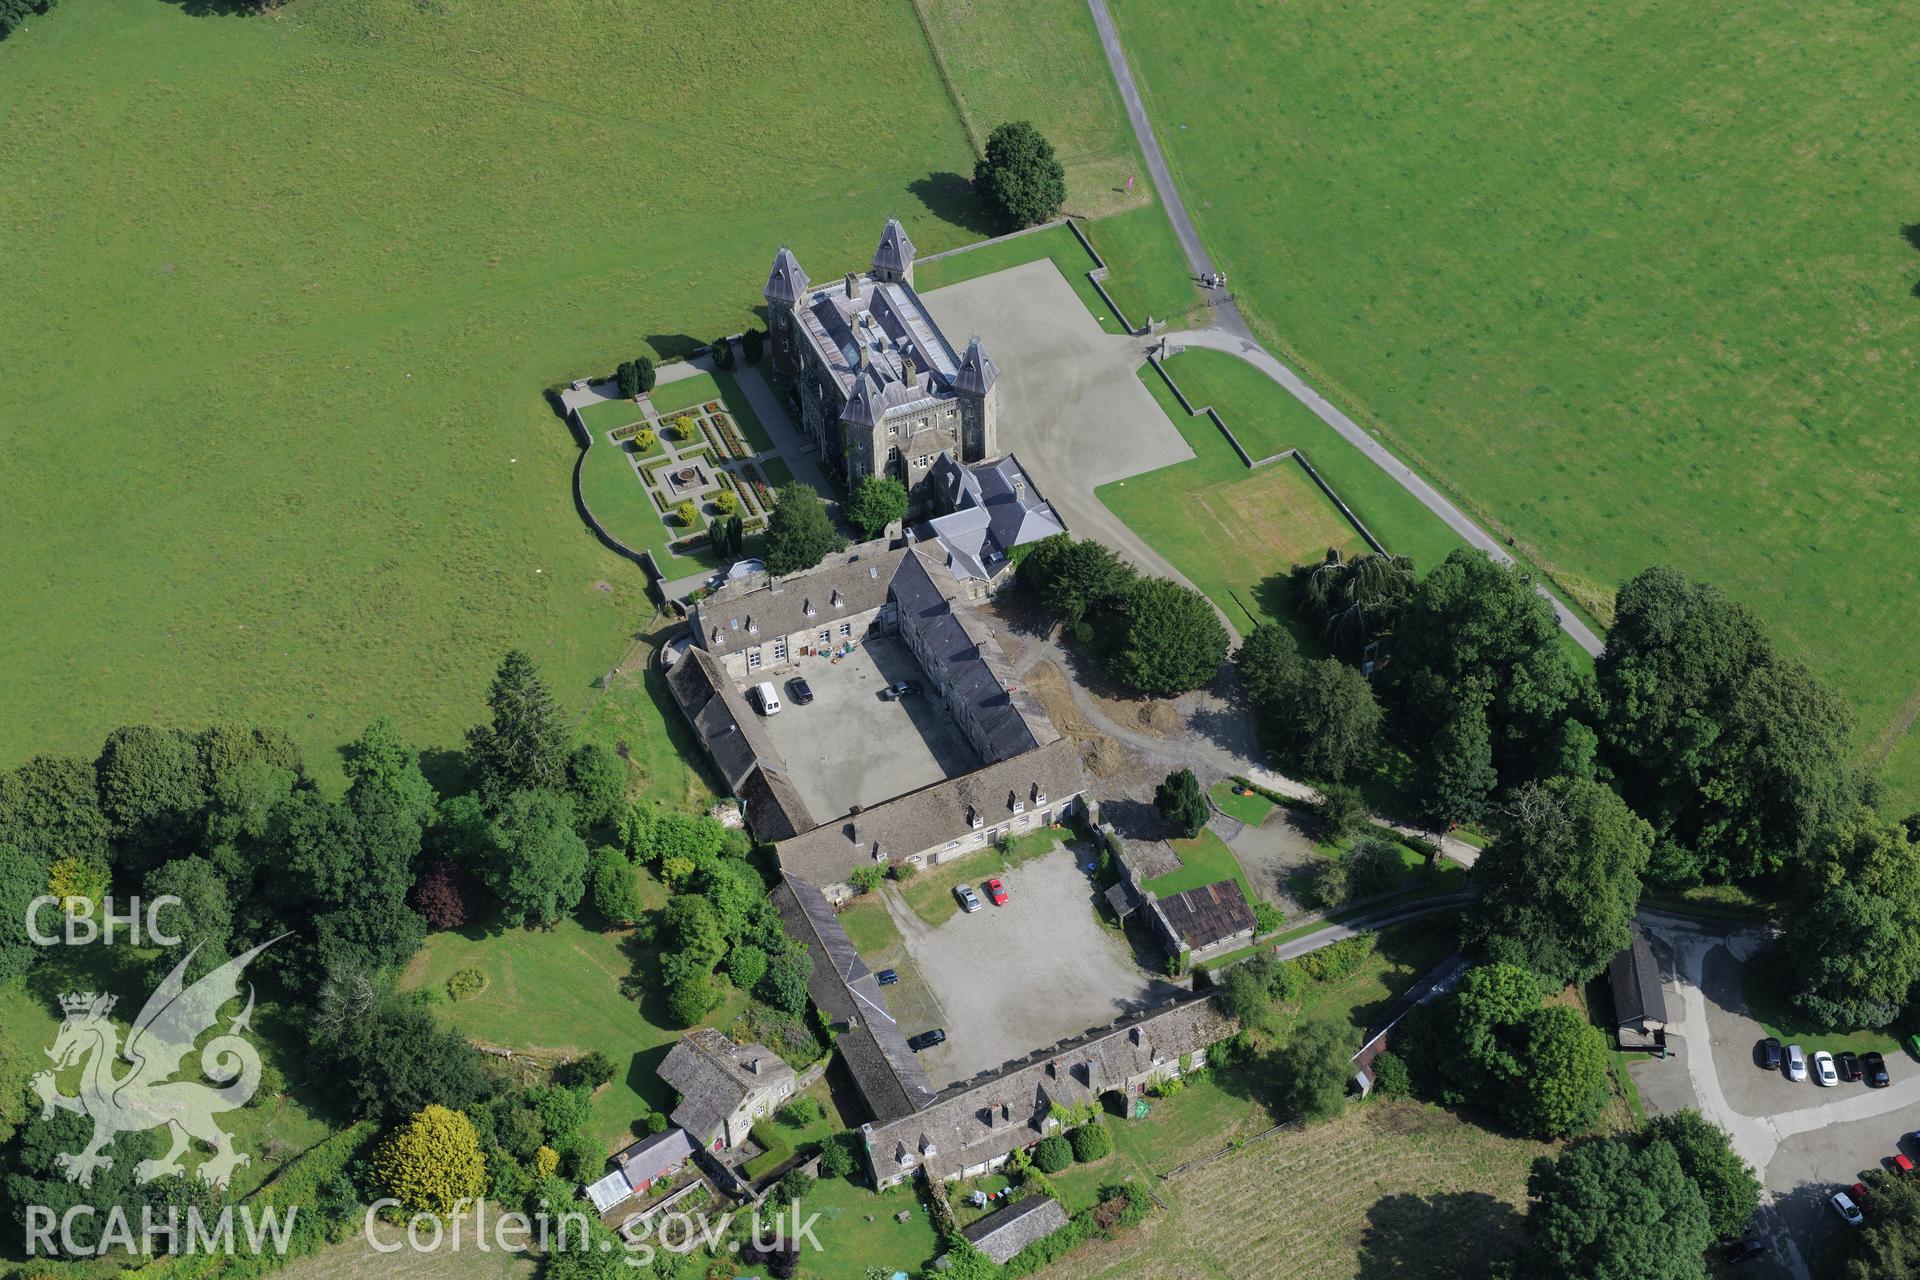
[(1052, 1154), (1091, 1142)]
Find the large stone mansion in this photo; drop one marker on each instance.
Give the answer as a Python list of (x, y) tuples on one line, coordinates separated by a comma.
[(870, 377)]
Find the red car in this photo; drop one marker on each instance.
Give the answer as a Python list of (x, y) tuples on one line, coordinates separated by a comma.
[(997, 891), (1903, 1164)]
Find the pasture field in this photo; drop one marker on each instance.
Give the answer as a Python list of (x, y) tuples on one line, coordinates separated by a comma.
[(297, 281), (1634, 284)]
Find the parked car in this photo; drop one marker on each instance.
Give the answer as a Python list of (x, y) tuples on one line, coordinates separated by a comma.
[(899, 689), (1903, 1164), (1770, 1054), (887, 977), (997, 892), (801, 691), (1823, 1070), (769, 700), (927, 1039), (1913, 1044), (1744, 1250), (1874, 1067), (969, 900), (1849, 1211), (1849, 1066), (1796, 1063)]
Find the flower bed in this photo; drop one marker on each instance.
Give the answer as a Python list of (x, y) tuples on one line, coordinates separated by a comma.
[(761, 489), (651, 471), (713, 406), (749, 502), (692, 542), (627, 432)]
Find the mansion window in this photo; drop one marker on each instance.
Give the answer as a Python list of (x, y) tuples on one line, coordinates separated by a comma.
[(779, 650), (846, 630), (753, 659), (893, 428), (826, 638), (923, 460)]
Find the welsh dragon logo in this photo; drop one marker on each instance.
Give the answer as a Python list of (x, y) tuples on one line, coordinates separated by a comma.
[(146, 1096)]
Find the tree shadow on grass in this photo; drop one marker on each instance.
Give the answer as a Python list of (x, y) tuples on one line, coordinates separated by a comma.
[(674, 346), (218, 8), (1409, 1236), (950, 197)]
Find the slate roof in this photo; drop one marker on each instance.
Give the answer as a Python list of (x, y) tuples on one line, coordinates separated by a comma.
[(935, 814), (1007, 1231), (713, 1076), (895, 252), (756, 609), (786, 283), (991, 508), (1634, 976), (867, 330), (739, 745), (653, 1155), (874, 1048), (975, 1122), (1209, 914), (977, 372), (957, 640)]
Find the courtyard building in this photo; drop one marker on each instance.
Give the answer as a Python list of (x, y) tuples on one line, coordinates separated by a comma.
[(1005, 1232), (983, 511), (1202, 923), (872, 380), (724, 1087), (974, 1127), (638, 1167), (1639, 1001)]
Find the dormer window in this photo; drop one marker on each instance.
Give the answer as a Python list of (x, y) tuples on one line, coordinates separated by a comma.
[(974, 819), (1019, 805), (836, 602), (753, 628), (1039, 794), (808, 608)]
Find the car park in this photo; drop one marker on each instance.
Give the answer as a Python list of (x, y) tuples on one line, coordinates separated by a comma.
[(1849, 1065), (1744, 1250), (997, 892), (1823, 1069), (887, 977), (768, 700), (1874, 1066), (800, 690), (1796, 1063), (1843, 1204), (969, 900), (1769, 1054), (927, 1039)]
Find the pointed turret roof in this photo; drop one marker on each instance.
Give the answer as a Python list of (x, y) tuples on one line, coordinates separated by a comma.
[(896, 251), (861, 410), (977, 371), (786, 283)]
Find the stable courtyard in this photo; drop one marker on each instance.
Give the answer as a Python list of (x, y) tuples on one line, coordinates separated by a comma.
[(848, 747), (1007, 981)]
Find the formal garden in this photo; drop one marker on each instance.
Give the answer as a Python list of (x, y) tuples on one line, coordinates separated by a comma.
[(685, 472)]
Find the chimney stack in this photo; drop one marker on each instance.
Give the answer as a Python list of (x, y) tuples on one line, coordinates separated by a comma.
[(909, 371), (852, 292)]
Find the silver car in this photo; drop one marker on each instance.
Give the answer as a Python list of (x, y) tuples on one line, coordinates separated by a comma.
[(969, 900), (1796, 1064)]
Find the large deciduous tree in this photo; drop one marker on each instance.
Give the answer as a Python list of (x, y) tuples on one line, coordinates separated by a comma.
[(1726, 1182), (1321, 716), (1737, 756), (1313, 1068), (23, 877), (1355, 600), (50, 807), (1073, 579), (1476, 629), (432, 1163), (380, 758), (1613, 1208), (524, 745), (1019, 178), (1854, 942), (799, 532), (1171, 641), (152, 787), (1561, 881), (877, 502), (537, 865)]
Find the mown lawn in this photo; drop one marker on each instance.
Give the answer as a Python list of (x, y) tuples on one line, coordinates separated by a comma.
[(555, 993), (1205, 859), (284, 454), (1250, 809), (1632, 282), (1233, 531)]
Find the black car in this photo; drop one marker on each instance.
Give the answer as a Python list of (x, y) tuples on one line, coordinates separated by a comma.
[(886, 977), (1849, 1065), (1770, 1054), (899, 689), (1875, 1068), (927, 1039), (800, 691), (1744, 1250)]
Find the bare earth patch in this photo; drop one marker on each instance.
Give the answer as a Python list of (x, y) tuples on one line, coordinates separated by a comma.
[(1103, 756)]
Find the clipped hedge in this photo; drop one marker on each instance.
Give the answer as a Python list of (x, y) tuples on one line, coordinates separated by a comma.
[(1338, 960)]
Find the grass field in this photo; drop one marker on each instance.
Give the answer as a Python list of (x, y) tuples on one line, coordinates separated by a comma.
[(1252, 810), (634, 715), (1631, 282), (1233, 531), (556, 993), (298, 280)]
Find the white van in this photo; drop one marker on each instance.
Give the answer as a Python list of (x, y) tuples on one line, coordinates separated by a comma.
[(769, 700)]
